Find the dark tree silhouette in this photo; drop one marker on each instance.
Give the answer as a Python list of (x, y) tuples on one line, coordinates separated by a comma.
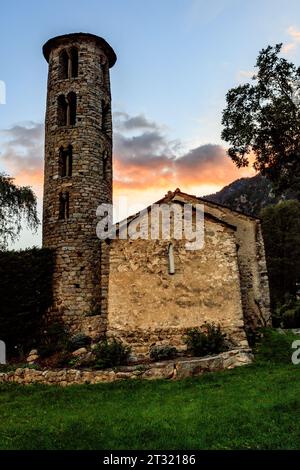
[(263, 117), (281, 230)]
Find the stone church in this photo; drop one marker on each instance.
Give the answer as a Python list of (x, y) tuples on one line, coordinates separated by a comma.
[(124, 287)]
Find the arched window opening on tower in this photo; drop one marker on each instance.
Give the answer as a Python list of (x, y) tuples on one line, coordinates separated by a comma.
[(64, 206), (63, 64), (68, 63), (71, 111), (73, 57), (62, 108), (65, 161), (105, 116), (105, 164), (66, 109)]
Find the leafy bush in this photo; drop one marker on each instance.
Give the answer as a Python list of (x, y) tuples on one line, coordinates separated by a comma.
[(4, 368), (110, 353), (287, 315), (206, 340), (158, 353), (25, 293), (80, 340)]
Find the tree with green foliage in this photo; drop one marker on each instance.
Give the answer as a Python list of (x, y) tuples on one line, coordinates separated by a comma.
[(281, 231), (262, 118), (17, 204)]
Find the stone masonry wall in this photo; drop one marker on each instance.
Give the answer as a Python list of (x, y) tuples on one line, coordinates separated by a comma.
[(252, 265), (76, 288), (176, 369), (148, 306)]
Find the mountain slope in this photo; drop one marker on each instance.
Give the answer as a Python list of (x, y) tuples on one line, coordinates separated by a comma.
[(248, 195)]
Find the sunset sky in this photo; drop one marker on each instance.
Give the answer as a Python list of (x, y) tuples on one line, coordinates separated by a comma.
[(176, 61)]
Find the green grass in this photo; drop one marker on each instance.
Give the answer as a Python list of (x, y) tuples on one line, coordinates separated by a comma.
[(251, 407)]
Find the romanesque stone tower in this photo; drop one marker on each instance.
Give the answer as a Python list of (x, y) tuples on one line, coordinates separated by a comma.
[(78, 174)]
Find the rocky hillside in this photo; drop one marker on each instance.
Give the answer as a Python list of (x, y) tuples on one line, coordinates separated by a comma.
[(248, 195)]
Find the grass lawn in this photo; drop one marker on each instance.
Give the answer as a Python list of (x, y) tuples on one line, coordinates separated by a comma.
[(251, 407)]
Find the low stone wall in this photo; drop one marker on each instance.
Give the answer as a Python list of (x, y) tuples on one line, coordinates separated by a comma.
[(175, 369)]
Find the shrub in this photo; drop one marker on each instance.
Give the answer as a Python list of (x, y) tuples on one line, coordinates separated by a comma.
[(80, 340), (4, 368), (206, 340), (287, 315), (110, 353), (158, 353)]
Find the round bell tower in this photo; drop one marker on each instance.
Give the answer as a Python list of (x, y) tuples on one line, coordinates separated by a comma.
[(78, 175)]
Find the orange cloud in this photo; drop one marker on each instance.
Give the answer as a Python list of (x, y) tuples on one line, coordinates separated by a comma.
[(146, 158), (146, 164), (288, 47), (131, 177), (294, 34), (33, 179)]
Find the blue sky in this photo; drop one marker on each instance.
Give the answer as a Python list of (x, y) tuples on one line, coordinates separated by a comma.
[(176, 61)]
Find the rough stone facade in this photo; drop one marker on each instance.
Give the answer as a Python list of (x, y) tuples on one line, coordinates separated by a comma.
[(224, 282), (250, 256), (178, 369), (252, 265), (148, 306), (78, 173)]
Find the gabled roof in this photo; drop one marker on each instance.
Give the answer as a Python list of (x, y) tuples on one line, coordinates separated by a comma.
[(212, 203), (179, 197)]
